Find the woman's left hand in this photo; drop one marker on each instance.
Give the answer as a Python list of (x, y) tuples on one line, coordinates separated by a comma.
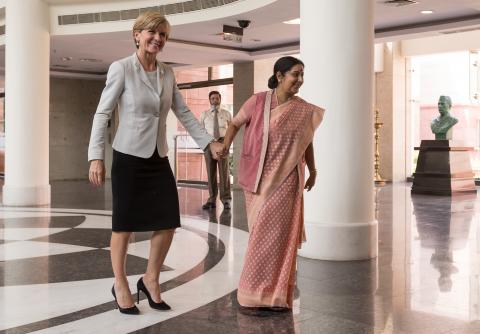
[(217, 149), (310, 181)]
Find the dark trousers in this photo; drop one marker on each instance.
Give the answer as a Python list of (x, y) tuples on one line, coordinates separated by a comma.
[(223, 172)]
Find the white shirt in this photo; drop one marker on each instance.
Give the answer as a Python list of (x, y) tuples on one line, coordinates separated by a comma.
[(224, 118)]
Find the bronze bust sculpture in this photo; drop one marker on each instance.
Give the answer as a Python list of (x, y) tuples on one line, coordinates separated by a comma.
[(442, 125)]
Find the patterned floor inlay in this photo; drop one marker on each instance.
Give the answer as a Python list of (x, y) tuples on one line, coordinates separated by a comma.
[(57, 277)]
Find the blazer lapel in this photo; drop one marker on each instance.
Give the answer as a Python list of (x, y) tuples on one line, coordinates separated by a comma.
[(160, 77)]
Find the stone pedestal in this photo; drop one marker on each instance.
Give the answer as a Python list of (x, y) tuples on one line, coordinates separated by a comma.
[(443, 168)]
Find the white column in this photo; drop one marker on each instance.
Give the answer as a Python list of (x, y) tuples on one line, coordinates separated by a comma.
[(336, 44), (26, 103)]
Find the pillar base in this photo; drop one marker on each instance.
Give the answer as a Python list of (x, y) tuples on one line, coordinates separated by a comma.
[(26, 196), (340, 242)]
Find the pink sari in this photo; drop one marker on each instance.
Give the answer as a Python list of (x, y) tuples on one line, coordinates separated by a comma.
[(275, 211)]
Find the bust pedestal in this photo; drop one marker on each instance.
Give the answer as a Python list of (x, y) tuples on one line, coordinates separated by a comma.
[(443, 168)]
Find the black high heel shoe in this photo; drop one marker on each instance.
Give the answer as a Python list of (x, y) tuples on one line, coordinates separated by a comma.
[(126, 310), (162, 306)]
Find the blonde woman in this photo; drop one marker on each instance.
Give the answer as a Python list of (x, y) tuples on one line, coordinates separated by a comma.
[(144, 191)]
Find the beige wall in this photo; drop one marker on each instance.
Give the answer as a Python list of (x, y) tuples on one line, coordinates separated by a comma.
[(383, 102), (263, 71), (72, 105), (400, 115), (243, 79), (390, 99)]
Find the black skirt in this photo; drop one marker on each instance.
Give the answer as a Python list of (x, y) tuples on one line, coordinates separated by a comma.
[(144, 193)]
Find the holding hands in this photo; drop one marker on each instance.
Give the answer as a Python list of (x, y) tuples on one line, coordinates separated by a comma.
[(219, 150)]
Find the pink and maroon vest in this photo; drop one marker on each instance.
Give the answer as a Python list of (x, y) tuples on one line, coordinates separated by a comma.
[(255, 141)]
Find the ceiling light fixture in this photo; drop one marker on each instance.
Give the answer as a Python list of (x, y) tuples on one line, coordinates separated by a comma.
[(232, 34), (294, 21), (426, 12)]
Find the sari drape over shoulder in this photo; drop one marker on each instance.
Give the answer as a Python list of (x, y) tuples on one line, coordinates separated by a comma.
[(277, 137)]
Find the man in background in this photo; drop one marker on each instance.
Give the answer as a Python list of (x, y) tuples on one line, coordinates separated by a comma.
[(216, 120)]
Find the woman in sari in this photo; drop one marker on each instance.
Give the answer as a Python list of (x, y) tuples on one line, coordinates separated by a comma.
[(279, 129)]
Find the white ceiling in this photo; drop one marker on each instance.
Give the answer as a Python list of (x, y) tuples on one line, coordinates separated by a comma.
[(198, 44), (388, 16)]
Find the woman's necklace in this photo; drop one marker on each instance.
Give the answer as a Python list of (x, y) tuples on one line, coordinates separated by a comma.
[(278, 101)]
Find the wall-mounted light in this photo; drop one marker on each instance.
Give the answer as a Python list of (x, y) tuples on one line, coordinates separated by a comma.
[(294, 21), (426, 12), (90, 60)]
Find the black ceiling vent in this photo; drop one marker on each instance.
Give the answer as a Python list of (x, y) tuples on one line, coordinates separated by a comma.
[(398, 3)]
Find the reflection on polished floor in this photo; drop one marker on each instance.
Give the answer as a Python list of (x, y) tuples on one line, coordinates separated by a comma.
[(55, 273)]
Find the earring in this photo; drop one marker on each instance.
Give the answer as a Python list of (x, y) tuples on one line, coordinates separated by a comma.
[(137, 43)]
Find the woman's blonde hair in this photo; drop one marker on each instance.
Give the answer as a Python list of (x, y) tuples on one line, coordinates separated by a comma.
[(149, 20)]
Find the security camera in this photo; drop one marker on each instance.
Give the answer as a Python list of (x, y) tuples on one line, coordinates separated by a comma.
[(243, 23)]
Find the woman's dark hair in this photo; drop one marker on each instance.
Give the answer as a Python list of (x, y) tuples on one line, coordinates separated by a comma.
[(282, 65)]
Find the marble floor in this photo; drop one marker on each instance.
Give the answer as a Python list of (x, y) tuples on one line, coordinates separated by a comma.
[(55, 272)]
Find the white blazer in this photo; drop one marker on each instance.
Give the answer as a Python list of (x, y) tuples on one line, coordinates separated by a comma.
[(142, 111)]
